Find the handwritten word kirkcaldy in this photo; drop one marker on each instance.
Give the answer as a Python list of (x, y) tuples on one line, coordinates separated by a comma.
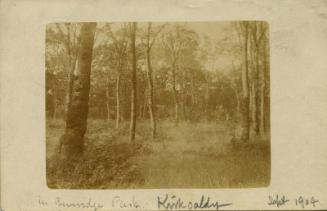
[(173, 202)]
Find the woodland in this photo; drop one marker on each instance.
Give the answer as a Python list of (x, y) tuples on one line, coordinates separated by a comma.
[(157, 105)]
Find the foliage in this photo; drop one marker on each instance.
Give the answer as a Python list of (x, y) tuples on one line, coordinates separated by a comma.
[(210, 84), (194, 155), (197, 60)]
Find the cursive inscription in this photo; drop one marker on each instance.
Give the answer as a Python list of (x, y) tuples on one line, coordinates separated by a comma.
[(82, 205), (277, 200), (117, 202), (173, 202), (303, 202)]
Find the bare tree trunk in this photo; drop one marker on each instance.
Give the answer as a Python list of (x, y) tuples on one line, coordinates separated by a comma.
[(142, 106), (257, 89), (134, 95), (262, 110), (125, 108), (150, 99), (118, 100), (145, 106), (184, 96), (207, 95), (175, 94), (108, 102), (193, 98), (258, 32), (267, 84), (237, 100), (254, 93), (140, 109), (153, 123), (245, 86), (263, 91), (253, 109), (76, 122)]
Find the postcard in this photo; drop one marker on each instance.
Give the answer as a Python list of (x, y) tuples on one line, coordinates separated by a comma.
[(163, 105)]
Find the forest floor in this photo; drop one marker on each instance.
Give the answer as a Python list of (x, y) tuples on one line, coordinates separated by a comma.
[(191, 155)]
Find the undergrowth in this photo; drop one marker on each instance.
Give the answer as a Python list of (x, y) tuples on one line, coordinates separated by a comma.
[(105, 163), (190, 155)]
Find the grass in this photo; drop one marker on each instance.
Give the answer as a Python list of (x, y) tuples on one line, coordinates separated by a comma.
[(191, 155)]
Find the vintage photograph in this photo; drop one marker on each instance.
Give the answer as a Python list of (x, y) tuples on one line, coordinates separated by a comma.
[(157, 105)]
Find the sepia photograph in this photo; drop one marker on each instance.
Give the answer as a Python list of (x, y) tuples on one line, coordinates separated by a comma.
[(153, 105), (163, 105)]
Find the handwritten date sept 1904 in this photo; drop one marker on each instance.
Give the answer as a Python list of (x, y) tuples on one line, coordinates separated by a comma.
[(303, 202)]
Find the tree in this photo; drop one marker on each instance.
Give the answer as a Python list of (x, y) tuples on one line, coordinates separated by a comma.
[(119, 53), (133, 80), (208, 55), (245, 84), (173, 48), (150, 40), (255, 51), (258, 51), (255, 77), (263, 104), (176, 42), (72, 142), (101, 81)]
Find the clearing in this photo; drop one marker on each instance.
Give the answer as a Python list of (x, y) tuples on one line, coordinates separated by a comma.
[(191, 155)]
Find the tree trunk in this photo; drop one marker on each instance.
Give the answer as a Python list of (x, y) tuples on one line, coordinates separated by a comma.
[(176, 101), (262, 111), (108, 102), (267, 84), (254, 108), (263, 95), (184, 96), (257, 91), (153, 123), (145, 106), (193, 98), (76, 122), (245, 89), (207, 95), (133, 97), (125, 103), (118, 100), (142, 105), (237, 100)]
